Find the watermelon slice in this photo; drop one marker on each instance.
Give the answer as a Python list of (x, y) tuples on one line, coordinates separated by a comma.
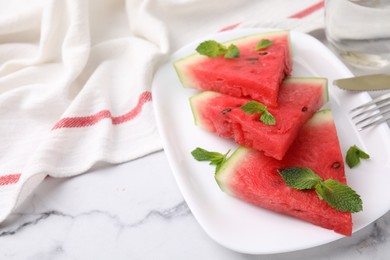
[(299, 98), (255, 74), (253, 177)]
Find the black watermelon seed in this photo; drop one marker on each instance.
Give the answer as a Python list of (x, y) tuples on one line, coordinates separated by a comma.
[(336, 165), (227, 110)]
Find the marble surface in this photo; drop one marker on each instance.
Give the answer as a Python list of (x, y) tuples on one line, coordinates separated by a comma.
[(135, 211)]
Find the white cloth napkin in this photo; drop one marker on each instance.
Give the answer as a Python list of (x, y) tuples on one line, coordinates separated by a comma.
[(75, 77)]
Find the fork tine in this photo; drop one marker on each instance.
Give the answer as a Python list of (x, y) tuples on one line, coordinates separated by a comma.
[(383, 104), (375, 122), (372, 113), (375, 116), (380, 99)]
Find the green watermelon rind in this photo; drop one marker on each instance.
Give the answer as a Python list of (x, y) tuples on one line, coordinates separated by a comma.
[(325, 94), (320, 117), (182, 64), (223, 175), (228, 168), (199, 98), (204, 95)]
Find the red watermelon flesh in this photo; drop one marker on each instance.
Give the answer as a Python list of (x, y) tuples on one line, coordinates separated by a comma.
[(251, 176), (255, 74), (221, 114)]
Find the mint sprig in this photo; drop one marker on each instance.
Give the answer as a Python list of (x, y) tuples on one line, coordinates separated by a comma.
[(263, 44), (300, 178), (232, 52), (215, 158), (212, 49), (354, 154), (339, 196), (334, 193), (254, 107)]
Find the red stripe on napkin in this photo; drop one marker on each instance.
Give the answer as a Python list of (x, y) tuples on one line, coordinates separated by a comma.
[(309, 10), (9, 179), (301, 14), (230, 27), (84, 121)]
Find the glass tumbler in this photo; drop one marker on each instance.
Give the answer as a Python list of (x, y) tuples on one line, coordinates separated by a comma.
[(359, 32)]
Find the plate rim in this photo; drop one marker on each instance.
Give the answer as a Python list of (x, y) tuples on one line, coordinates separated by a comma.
[(170, 156)]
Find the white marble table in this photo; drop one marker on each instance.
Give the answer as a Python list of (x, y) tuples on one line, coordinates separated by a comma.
[(135, 211)]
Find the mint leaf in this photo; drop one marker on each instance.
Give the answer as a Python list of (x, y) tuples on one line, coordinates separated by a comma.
[(267, 118), (354, 154), (262, 44), (211, 49), (334, 193), (232, 52), (214, 49), (339, 196), (215, 158), (300, 178), (254, 107)]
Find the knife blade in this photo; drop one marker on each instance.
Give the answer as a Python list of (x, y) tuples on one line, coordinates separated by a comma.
[(364, 83)]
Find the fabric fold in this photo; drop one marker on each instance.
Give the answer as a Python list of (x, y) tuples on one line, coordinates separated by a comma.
[(75, 78)]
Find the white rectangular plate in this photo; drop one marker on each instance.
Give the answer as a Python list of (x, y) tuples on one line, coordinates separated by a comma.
[(238, 225)]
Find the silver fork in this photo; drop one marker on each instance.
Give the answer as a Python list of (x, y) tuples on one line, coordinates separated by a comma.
[(372, 113)]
